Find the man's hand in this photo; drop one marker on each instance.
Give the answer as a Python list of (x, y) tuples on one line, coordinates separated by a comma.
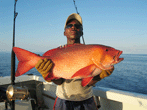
[(106, 73), (102, 75), (44, 66)]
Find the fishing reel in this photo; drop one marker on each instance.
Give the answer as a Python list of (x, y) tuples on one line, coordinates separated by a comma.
[(17, 93), (11, 93)]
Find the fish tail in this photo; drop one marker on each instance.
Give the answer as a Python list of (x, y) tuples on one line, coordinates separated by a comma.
[(27, 60)]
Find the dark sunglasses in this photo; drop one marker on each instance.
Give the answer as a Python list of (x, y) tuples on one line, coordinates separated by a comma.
[(75, 25)]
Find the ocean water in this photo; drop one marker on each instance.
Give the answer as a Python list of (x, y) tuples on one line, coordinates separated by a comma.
[(128, 75)]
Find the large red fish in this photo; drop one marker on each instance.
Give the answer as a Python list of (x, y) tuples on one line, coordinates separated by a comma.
[(75, 61)]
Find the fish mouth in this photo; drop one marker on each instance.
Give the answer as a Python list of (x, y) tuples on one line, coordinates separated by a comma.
[(117, 59)]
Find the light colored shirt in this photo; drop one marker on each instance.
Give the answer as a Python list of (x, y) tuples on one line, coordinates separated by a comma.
[(71, 89)]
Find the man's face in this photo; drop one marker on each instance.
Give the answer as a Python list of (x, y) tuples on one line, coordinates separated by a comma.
[(73, 32)]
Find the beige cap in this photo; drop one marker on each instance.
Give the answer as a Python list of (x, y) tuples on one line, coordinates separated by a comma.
[(74, 16)]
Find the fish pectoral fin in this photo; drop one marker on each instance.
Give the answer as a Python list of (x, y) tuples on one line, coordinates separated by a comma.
[(84, 72), (86, 81)]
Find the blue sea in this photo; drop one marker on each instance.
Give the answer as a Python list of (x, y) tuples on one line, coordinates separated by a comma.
[(129, 75)]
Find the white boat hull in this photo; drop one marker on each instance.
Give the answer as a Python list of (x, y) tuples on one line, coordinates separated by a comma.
[(44, 93)]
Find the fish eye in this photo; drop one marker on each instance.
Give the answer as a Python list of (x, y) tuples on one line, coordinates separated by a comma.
[(106, 50)]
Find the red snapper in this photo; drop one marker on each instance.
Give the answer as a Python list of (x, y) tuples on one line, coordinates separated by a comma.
[(75, 61)]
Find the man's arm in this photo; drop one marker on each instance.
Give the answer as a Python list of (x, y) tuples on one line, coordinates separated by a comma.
[(103, 74)]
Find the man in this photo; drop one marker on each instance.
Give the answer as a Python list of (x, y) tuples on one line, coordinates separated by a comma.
[(70, 94)]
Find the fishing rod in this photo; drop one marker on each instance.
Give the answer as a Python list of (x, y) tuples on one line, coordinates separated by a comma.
[(78, 14), (13, 56)]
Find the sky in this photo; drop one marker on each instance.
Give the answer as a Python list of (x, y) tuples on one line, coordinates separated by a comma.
[(39, 26)]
